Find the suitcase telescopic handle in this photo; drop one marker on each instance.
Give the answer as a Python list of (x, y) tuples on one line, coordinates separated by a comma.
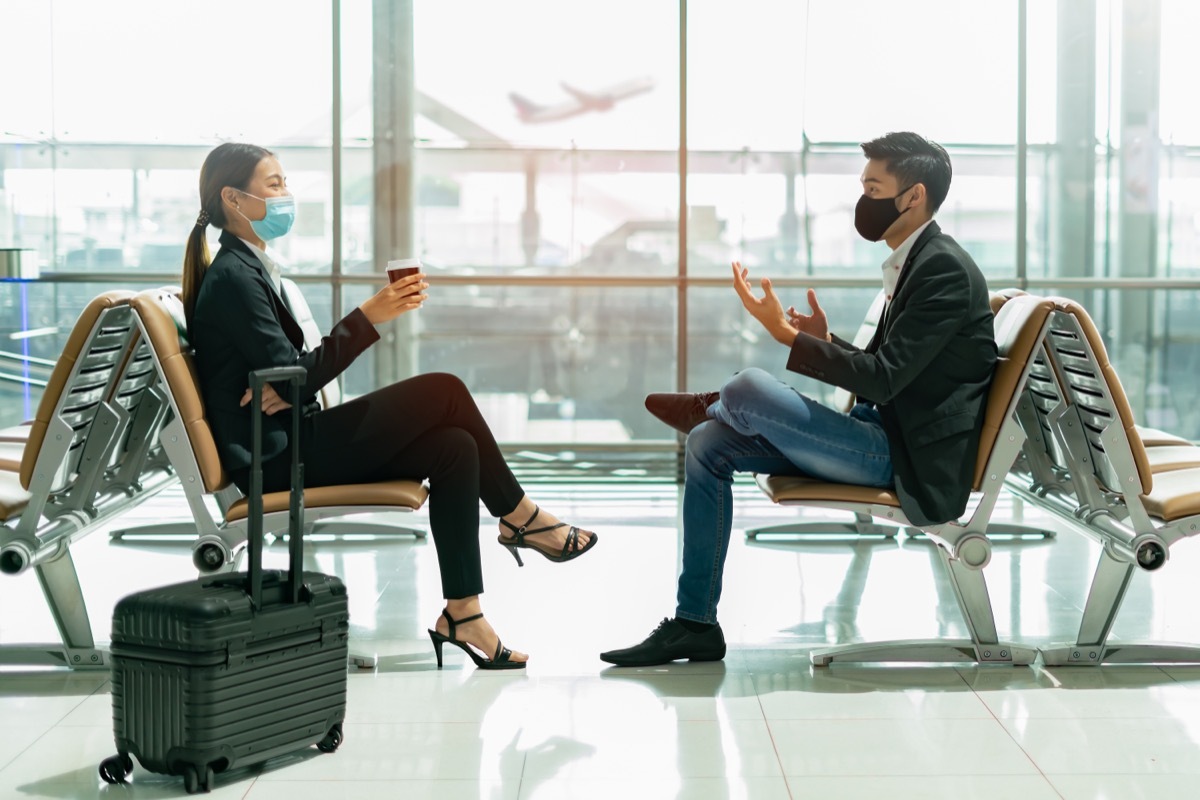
[(255, 532)]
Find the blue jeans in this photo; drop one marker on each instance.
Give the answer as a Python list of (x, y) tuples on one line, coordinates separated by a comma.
[(761, 424)]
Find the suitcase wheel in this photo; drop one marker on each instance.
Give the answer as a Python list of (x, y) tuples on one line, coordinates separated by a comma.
[(114, 769), (332, 739), (196, 780)]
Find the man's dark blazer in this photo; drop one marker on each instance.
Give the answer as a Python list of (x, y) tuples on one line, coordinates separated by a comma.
[(240, 324), (928, 369)]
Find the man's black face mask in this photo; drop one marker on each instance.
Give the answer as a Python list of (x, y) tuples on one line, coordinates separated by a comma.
[(874, 215)]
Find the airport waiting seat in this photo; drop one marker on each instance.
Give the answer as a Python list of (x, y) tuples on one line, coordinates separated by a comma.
[(863, 524), (71, 479), (1043, 473), (1151, 437), (964, 547), (189, 444), (1040, 472), (1108, 488), (330, 395)]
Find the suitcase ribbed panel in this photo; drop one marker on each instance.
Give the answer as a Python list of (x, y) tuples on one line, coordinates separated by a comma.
[(139, 686)]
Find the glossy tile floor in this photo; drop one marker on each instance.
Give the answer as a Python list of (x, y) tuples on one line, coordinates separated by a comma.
[(762, 724)]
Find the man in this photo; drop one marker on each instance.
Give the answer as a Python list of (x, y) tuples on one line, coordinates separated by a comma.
[(921, 384)]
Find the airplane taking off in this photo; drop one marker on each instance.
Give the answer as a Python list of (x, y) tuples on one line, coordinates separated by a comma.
[(581, 102)]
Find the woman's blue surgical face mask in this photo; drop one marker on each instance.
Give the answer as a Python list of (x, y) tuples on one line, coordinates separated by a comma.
[(281, 213)]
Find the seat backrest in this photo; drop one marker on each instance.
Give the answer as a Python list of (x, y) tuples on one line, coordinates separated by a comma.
[(1019, 329), (1045, 397), (843, 399), (82, 377), (998, 298), (1092, 386), (137, 375), (137, 392), (331, 393), (157, 310), (1041, 389)]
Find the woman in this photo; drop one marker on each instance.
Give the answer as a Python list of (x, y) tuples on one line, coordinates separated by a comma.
[(427, 427)]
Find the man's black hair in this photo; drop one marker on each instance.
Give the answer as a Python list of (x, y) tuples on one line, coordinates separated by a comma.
[(914, 159)]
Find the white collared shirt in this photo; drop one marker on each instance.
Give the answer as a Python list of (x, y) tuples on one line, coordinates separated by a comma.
[(894, 263), (271, 262)]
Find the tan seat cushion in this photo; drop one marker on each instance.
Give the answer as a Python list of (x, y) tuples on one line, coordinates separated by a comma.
[(1153, 437), (790, 488), (1168, 458), (13, 497), (17, 433), (10, 455), (1175, 495), (400, 494)]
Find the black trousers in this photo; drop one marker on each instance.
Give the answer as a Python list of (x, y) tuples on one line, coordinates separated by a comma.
[(423, 428)]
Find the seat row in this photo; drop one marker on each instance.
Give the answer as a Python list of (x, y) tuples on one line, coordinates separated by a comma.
[(1135, 490), (90, 453), (1058, 432), (121, 419)]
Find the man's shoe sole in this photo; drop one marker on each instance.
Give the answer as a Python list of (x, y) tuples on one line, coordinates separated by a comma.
[(697, 658)]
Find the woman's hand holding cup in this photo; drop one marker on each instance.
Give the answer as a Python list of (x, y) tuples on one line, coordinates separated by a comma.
[(405, 292)]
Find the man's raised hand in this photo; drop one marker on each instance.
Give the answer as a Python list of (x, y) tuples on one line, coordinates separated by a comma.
[(814, 324)]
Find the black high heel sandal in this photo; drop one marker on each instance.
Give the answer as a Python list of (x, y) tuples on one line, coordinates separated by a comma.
[(568, 551), (499, 659)]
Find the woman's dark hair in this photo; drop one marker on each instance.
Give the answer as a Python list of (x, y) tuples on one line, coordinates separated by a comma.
[(914, 159), (231, 164)]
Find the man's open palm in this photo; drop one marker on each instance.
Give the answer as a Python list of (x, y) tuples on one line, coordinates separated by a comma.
[(766, 309), (813, 324)]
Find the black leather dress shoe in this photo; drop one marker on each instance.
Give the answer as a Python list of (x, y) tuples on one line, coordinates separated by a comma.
[(670, 641), (681, 410)]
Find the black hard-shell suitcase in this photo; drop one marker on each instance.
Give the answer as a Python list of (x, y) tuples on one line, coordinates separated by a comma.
[(231, 670)]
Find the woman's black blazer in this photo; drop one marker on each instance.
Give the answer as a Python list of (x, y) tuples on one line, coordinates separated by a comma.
[(240, 324)]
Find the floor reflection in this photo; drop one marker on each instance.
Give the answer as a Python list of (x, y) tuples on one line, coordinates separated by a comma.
[(763, 723)]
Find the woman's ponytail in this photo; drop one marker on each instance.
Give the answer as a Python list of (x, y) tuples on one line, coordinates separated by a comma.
[(195, 261)]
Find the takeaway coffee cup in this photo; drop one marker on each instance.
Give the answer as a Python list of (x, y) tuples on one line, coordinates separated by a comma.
[(402, 268)]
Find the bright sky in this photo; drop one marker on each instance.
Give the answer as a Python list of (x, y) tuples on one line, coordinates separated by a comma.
[(760, 70), (761, 73)]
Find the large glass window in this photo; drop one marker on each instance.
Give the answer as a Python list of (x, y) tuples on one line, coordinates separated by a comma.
[(538, 151), (529, 153), (944, 68), (111, 108)]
